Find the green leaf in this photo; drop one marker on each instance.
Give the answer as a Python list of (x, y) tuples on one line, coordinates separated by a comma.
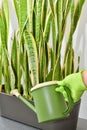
[(47, 27), (59, 20), (21, 11), (11, 75), (19, 66), (54, 40), (2, 31), (52, 5), (66, 10), (67, 7), (41, 78), (70, 36), (43, 14), (57, 74), (77, 69), (44, 61), (0, 63), (14, 57), (73, 62), (6, 18), (38, 21), (77, 12), (30, 4), (27, 82), (68, 63), (22, 14), (49, 76), (33, 56), (6, 71), (16, 4)]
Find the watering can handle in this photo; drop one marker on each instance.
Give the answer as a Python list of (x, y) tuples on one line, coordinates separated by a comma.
[(70, 101)]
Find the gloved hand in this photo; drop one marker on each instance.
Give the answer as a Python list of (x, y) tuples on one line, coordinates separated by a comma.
[(74, 83)]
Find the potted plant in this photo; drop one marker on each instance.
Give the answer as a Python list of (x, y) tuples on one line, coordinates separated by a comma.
[(32, 57)]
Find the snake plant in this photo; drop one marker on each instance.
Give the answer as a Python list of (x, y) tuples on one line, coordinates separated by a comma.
[(32, 58)]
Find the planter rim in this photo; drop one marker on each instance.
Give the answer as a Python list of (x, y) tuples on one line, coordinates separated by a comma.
[(44, 84)]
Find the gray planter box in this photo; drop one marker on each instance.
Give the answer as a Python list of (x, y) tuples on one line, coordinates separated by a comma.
[(13, 108)]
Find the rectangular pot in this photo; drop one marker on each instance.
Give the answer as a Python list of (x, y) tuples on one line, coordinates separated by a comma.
[(13, 108)]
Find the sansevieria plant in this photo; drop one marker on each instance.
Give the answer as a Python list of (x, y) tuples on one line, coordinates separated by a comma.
[(36, 47)]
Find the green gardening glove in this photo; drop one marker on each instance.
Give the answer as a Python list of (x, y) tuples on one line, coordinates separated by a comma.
[(75, 84)]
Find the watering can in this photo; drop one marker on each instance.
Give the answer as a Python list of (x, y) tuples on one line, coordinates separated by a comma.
[(49, 104)]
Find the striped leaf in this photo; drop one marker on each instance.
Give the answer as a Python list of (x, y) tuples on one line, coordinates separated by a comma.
[(11, 75), (43, 14), (21, 11), (30, 4), (68, 63), (6, 18), (54, 40), (47, 27), (67, 4), (77, 12), (44, 61), (2, 31), (73, 62), (16, 4), (49, 76), (70, 36), (41, 65), (26, 78), (34, 18), (64, 3), (14, 57), (38, 21), (33, 56), (19, 66), (0, 63), (52, 5), (22, 14), (57, 74), (67, 7), (59, 20), (77, 69), (6, 71)]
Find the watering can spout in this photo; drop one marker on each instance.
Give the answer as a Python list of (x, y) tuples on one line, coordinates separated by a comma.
[(17, 94)]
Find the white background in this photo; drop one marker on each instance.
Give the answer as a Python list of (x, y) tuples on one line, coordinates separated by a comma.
[(81, 41), (80, 45)]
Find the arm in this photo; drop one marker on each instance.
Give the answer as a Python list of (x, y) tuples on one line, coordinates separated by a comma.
[(76, 83), (84, 77)]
